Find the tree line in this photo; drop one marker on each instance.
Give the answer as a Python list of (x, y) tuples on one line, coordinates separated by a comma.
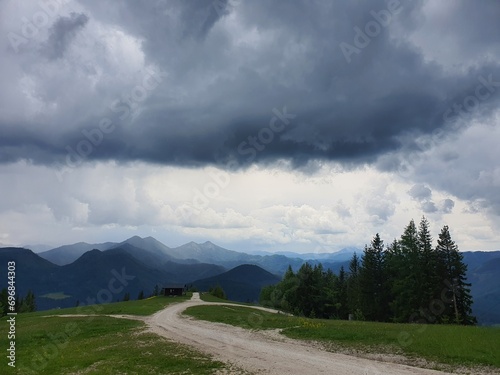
[(22, 304), (408, 281)]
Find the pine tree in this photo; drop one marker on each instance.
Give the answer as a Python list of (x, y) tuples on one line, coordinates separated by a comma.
[(307, 291), (340, 288), (141, 295), (372, 282), (329, 295), (405, 269), (286, 293), (126, 297), (455, 291), (353, 290), (4, 302), (427, 274), (30, 301)]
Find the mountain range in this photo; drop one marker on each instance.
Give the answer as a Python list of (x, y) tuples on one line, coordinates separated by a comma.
[(70, 274)]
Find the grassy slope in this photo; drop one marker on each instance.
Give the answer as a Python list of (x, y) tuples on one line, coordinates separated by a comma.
[(99, 345), (139, 307), (454, 345), (207, 297)]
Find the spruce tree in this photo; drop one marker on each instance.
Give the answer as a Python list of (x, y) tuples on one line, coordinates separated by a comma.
[(340, 286), (405, 270), (372, 282), (329, 294), (306, 290), (285, 295), (4, 302), (30, 301), (353, 290), (455, 291), (427, 274)]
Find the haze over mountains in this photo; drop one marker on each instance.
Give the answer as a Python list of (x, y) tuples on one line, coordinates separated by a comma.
[(71, 274), (153, 252)]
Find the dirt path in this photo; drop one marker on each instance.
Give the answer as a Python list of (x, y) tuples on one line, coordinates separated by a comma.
[(264, 353)]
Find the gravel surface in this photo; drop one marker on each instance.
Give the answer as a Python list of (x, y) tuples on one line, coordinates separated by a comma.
[(262, 352)]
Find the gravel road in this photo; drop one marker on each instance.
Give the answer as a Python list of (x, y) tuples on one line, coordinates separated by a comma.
[(263, 352)]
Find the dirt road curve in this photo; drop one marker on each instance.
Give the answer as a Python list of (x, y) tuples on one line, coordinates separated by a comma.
[(262, 353)]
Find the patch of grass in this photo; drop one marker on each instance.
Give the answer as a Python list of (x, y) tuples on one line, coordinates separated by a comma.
[(98, 345), (56, 296), (207, 297), (447, 344), (139, 307)]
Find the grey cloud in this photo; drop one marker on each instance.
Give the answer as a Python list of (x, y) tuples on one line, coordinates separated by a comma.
[(428, 207), (477, 205), (380, 209), (222, 90), (420, 192), (446, 206), (62, 33)]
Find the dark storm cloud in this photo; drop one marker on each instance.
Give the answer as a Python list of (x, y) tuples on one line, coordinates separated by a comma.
[(231, 66), (62, 33)]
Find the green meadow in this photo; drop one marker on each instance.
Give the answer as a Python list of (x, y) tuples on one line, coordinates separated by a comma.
[(50, 344)]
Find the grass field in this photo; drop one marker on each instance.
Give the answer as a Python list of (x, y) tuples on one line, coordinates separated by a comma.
[(99, 345), (138, 307), (210, 298), (47, 344), (446, 344)]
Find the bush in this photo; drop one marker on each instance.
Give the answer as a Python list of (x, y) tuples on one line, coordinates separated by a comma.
[(218, 292)]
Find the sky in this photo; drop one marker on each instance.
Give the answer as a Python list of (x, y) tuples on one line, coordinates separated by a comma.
[(292, 125)]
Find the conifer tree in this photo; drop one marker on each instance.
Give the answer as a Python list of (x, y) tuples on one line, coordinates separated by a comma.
[(405, 263), (30, 301), (353, 289), (285, 294), (340, 286), (454, 291), (427, 274), (372, 282), (306, 290), (329, 294), (4, 302)]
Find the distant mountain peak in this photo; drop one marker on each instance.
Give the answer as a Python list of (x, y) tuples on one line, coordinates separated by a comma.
[(134, 238)]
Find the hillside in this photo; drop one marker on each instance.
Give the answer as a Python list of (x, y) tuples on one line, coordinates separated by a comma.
[(483, 268), (242, 283), (97, 276)]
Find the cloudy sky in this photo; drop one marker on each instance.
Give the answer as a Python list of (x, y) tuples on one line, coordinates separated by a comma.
[(257, 125)]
